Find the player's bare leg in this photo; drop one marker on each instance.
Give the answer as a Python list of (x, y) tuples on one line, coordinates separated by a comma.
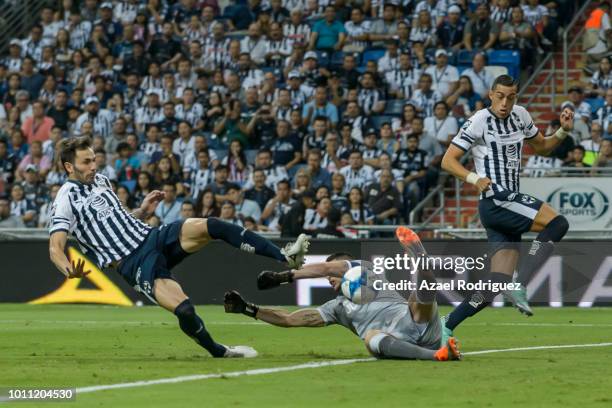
[(171, 297), (196, 233), (383, 345)]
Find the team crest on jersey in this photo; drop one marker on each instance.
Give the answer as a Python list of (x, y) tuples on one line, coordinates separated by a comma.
[(527, 199)]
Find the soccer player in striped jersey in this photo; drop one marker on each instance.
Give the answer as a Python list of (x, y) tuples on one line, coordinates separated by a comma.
[(495, 136), (87, 208)]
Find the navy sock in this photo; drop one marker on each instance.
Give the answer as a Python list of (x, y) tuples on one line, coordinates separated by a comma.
[(194, 327), (475, 302), (243, 239), (542, 247)]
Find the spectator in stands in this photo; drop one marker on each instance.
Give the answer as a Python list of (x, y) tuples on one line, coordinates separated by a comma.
[(231, 126), (7, 218), (31, 81), (316, 218), (38, 126), (103, 167), (601, 80), (7, 163), (424, 98), (144, 186), (481, 79), (445, 77), (22, 102), (220, 186), (582, 111), (356, 173), (591, 146), (518, 34), (277, 206), (165, 145), (169, 209), (301, 181), (125, 198), (243, 207), (328, 34), (23, 208), (481, 32), (236, 163), (397, 175), (187, 210), (318, 175), (464, 100), (286, 148), (413, 162), (385, 28), (260, 193), (449, 34), (546, 28), (359, 211), (577, 162), (441, 126), (357, 31), (34, 157), (47, 208), (501, 11), (369, 98), (383, 199), (163, 173), (402, 127), (541, 166), (206, 205), (58, 112), (228, 213), (423, 30), (605, 156)]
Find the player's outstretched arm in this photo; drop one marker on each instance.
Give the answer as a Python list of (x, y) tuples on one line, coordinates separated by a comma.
[(545, 145), (271, 279), (57, 254), (451, 163), (235, 303)]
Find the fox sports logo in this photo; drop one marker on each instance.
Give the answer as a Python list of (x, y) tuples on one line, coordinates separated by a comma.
[(581, 203)]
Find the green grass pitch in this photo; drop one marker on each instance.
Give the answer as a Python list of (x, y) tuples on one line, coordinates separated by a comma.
[(79, 346)]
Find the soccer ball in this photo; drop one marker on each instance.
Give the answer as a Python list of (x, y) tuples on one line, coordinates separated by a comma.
[(353, 281)]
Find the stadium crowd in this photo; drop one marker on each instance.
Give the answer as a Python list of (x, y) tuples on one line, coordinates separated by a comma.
[(287, 115)]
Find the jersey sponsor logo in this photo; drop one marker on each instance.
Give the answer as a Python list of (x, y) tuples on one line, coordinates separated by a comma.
[(103, 209)]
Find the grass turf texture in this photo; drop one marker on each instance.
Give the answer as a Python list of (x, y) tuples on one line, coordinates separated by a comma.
[(76, 346)]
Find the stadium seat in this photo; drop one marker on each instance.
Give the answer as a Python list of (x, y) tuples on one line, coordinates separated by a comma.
[(372, 55), (508, 58), (323, 58), (394, 107), (496, 70), (337, 59), (465, 58), (377, 121)]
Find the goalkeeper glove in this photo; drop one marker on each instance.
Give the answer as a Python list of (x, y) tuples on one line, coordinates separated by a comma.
[(234, 303)]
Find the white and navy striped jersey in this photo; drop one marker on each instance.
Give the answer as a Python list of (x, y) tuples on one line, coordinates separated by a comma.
[(102, 122), (354, 30), (357, 178), (496, 145), (500, 15), (95, 217), (296, 33), (199, 179)]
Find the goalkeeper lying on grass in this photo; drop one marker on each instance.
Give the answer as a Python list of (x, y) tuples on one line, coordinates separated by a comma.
[(389, 326)]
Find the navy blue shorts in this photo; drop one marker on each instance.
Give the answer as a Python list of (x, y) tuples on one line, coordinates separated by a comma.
[(507, 220), (158, 254)]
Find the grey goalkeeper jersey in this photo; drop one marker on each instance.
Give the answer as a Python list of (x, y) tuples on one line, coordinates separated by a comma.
[(388, 312)]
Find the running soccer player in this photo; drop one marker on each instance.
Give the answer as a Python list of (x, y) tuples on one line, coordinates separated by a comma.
[(87, 208), (389, 326), (495, 136)]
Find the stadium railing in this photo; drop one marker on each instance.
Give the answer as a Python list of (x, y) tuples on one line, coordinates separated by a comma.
[(568, 43), (16, 19)]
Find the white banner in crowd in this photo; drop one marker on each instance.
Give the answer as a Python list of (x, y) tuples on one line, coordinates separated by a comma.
[(585, 202)]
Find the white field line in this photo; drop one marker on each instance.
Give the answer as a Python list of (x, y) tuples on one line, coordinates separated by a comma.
[(260, 371), (225, 323)]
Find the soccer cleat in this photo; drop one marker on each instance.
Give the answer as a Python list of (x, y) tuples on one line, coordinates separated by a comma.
[(239, 352), (294, 251), (450, 351), (518, 297), (409, 240), (446, 332)]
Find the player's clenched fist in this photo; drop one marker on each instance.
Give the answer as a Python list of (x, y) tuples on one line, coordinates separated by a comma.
[(483, 184)]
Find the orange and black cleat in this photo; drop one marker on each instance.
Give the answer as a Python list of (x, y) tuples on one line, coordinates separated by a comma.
[(409, 240), (450, 351)]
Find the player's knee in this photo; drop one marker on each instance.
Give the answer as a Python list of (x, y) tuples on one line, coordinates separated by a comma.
[(562, 225), (372, 341), (185, 310)]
